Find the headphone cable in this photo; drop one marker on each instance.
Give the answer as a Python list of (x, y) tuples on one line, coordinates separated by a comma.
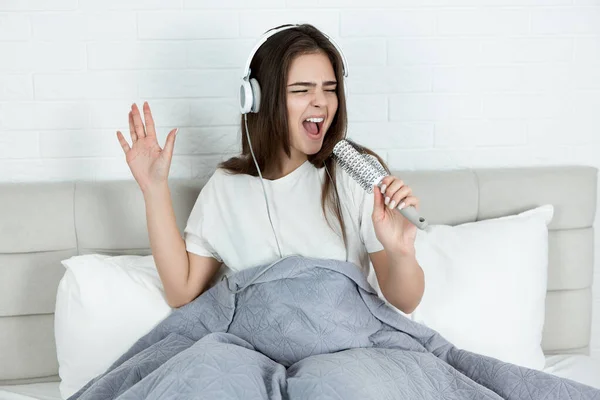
[(262, 183)]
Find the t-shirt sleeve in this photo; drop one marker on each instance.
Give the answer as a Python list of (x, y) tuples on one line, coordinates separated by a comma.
[(194, 233), (362, 202)]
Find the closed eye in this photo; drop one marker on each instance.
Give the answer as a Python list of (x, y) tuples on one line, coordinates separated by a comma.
[(304, 91)]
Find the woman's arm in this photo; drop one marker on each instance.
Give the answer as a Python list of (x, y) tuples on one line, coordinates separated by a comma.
[(184, 275), (400, 279), (400, 276)]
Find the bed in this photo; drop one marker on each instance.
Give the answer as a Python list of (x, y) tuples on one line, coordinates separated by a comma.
[(44, 223)]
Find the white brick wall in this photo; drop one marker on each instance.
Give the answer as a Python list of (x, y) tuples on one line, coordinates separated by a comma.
[(473, 83)]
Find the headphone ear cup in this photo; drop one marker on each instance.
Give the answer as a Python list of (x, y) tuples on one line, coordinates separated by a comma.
[(255, 95), (246, 97)]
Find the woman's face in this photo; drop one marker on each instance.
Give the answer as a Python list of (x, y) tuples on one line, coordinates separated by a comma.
[(311, 102)]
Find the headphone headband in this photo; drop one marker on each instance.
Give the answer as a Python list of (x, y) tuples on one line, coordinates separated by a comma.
[(272, 32), (250, 88)]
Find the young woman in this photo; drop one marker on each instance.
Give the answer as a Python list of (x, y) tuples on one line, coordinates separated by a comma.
[(316, 209)]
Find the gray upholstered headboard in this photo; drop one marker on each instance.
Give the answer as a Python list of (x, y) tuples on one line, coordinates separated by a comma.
[(43, 223)]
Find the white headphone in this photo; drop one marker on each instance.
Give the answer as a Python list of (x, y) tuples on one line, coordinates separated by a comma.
[(250, 89)]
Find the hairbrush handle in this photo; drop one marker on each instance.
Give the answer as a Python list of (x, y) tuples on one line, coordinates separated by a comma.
[(411, 214)]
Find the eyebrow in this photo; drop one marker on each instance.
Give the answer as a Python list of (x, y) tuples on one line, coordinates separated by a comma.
[(312, 84)]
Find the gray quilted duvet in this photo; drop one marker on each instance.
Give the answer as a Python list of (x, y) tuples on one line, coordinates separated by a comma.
[(309, 329)]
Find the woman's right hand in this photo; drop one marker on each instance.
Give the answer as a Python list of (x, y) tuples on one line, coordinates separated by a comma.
[(148, 163)]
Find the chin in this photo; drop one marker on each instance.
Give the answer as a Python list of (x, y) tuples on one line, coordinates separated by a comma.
[(312, 148), (306, 145), (312, 151)]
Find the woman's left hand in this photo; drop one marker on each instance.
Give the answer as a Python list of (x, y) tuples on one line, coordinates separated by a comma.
[(394, 231)]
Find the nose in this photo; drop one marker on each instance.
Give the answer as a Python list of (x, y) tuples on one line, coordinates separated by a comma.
[(319, 99)]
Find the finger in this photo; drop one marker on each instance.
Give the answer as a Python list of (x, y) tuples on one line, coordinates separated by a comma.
[(409, 201), (140, 131), (378, 208), (394, 186), (132, 129), (391, 190), (399, 196), (385, 183), (150, 129), (170, 143), (123, 142)]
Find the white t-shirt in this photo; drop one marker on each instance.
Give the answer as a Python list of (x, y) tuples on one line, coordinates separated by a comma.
[(229, 220)]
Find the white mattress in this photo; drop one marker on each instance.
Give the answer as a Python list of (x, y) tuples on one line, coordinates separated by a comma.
[(35, 391), (576, 367)]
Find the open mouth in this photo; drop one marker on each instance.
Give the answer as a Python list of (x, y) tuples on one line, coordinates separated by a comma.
[(313, 126)]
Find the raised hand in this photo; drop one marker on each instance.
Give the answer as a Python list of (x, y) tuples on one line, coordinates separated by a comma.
[(148, 163)]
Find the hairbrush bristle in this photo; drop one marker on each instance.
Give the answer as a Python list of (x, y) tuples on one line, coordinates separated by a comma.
[(371, 159), (365, 170)]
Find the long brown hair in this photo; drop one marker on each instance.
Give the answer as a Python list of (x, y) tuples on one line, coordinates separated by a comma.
[(269, 127)]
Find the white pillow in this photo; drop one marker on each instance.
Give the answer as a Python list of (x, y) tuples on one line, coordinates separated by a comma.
[(485, 284), (104, 305)]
